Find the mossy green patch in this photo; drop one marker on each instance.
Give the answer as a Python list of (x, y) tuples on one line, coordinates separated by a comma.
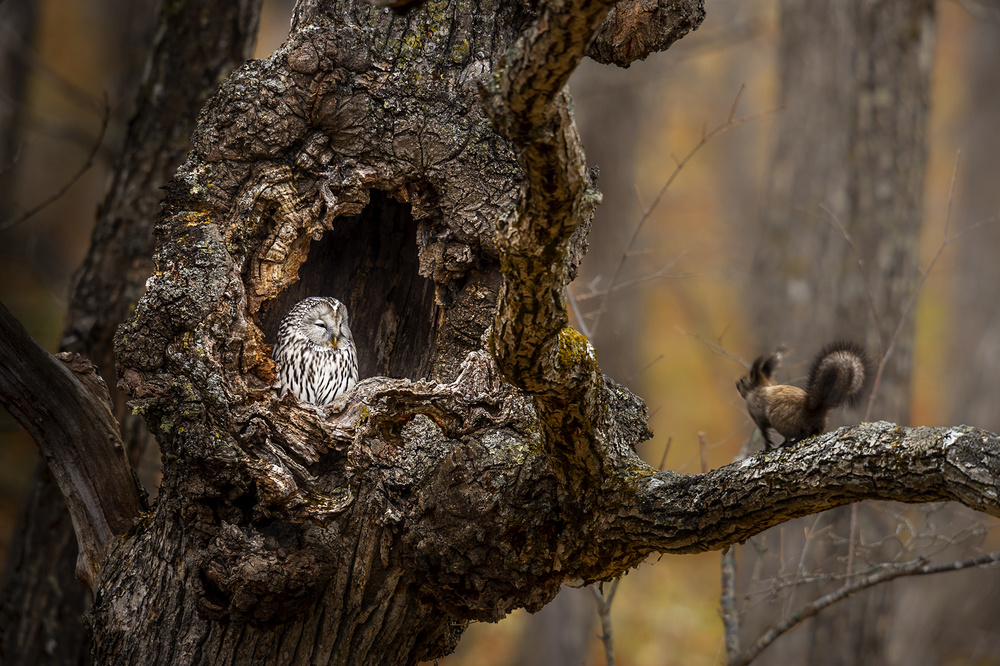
[(460, 51), (575, 350)]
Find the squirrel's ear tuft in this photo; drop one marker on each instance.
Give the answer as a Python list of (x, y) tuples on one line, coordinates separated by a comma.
[(765, 366)]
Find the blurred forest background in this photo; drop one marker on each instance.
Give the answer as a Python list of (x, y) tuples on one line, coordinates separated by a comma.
[(687, 273)]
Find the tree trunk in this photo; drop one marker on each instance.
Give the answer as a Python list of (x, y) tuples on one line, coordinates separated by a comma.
[(849, 160), (958, 621), (357, 162)]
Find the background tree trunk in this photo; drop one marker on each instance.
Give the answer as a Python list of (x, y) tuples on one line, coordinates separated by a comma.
[(195, 47), (958, 621), (850, 150)]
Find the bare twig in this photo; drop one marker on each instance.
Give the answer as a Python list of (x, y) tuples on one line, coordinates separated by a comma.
[(644, 368), (706, 136), (7, 224), (716, 346), (703, 451), (861, 266), (730, 619), (945, 241), (604, 612), (810, 534), (851, 545), (660, 273), (916, 568), (575, 306), (666, 450)]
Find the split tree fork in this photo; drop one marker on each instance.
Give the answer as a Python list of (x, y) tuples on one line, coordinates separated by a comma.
[(427, 167)]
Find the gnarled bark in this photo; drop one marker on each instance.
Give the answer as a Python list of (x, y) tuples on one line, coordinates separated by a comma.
[(488, 460)]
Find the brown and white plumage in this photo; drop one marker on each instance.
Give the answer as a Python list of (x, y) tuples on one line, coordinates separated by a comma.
[(315, 352)]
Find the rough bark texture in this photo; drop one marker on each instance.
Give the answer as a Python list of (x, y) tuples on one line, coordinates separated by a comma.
[(608, 109), (371, 530), (281, 199), (195, 45), (851, 145), (489, 461), (634, 29)]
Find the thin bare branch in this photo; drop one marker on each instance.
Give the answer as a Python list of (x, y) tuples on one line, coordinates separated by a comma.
[(917, 568), (89, 162), (851, 545), (716, 347), (666, 450), (703, 451), (899, 326), (730, 618), (577, 314), (660, 273), (861, 267), (604, 612), (951, 193), (736, 102), (945, 241), (705, 138)]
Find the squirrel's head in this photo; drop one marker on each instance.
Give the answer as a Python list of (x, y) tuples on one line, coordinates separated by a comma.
[(760, 372)]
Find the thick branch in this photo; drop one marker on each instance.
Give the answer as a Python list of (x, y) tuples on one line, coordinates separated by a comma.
[(686, 514), (544, 239), (540, 65), (65, 407)]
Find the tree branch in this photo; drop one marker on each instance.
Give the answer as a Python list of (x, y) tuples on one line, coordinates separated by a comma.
[(673, 513), (604, 613), (727, 610), (63, 403), (543, 241), (915, 568)]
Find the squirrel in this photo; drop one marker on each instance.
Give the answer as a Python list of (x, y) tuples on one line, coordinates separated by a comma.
[(841, 372)]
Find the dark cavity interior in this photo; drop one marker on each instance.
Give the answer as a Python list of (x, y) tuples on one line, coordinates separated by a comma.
[(369, 263)]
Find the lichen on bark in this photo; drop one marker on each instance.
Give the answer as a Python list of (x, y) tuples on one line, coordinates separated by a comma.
[(485, 460), (355, 129)]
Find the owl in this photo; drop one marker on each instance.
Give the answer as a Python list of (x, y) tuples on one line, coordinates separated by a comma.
[(315, 352)]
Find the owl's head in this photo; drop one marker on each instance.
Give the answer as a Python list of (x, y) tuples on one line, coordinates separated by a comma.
[(324, 322)]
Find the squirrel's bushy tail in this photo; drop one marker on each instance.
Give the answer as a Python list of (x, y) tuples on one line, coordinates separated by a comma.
[(842, 372)]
